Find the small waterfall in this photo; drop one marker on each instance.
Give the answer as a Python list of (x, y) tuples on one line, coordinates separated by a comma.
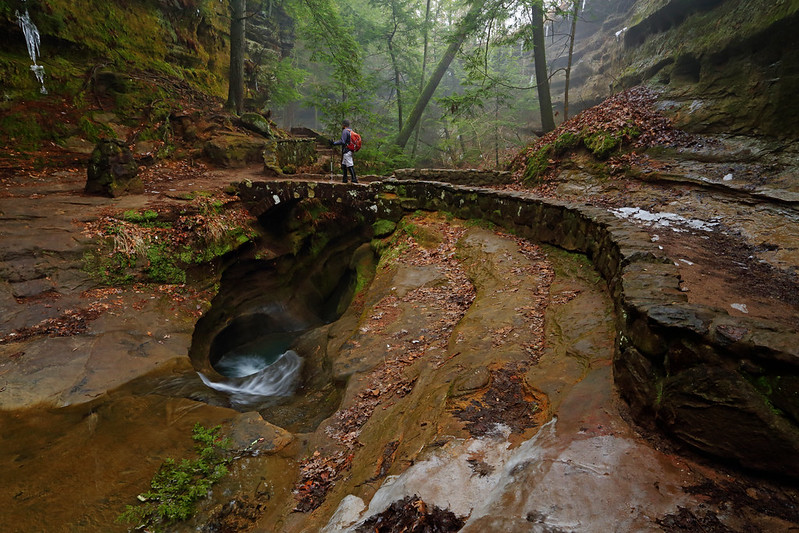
[(250, 382), (32, 40)]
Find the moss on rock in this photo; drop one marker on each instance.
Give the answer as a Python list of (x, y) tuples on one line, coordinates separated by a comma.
[(602, 143), (538, 163)]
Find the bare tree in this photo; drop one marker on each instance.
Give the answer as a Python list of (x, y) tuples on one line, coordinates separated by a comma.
[(541, 76), (575, 8), (238, 18)]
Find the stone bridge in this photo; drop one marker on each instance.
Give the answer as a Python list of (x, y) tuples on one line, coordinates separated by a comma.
[(728, 386)]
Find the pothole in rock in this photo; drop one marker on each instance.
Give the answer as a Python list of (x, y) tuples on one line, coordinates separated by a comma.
[(263, 344), (256, 371)]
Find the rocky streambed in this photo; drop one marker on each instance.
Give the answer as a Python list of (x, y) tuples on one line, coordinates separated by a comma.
[(468, 382)]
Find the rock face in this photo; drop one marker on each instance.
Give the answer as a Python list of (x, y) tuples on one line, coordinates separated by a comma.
[(724, 65), (112, 170), (736, 78)]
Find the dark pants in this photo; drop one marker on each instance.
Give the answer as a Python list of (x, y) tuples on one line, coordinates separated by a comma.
[(352, 170)]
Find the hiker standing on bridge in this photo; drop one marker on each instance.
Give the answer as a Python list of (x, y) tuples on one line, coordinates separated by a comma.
[(346, 154)]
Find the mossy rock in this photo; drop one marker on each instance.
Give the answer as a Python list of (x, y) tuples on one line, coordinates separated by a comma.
[(112, 170), (383, 228), (234, 150), (257, 123), (566, 141), (538, 163), (271, 164)]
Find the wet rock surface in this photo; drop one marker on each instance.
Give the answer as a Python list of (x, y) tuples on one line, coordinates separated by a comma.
[(656, 320), (468, 329)]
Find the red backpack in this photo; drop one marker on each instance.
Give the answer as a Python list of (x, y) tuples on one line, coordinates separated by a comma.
[(355, 142)]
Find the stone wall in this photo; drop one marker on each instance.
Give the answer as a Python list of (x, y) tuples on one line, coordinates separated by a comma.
[(725, 385), (294, 153)]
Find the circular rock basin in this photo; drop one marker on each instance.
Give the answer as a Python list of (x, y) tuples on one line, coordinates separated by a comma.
[(262, 345)]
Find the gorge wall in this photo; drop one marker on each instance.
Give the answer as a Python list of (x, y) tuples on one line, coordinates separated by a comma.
[(722, 65), (123, 69)]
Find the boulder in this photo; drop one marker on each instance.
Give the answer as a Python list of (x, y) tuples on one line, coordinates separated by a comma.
[(719, 412), (112, 170), (257, 123), (234, 150)]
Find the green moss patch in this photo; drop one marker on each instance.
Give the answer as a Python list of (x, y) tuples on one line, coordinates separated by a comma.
[(602, 143), (537, 163), (161, 247), (383, 227)]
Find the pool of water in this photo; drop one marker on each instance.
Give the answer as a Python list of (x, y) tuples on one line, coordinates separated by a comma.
[(256, 377)]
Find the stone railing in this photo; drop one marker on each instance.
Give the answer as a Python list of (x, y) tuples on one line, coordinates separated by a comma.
[(471, 177), (725, 385)]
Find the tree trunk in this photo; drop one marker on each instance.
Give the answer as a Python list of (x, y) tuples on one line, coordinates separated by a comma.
[(238, 17), (464, 28), (396, 75), (541, 76), (496, 136), (424, 71), (569, 65)]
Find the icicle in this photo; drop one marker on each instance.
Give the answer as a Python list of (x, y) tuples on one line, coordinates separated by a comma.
[(31, 34), (32, 41)]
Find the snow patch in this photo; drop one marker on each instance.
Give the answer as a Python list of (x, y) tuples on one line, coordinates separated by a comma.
[(740, 307), (727, 177), (672, 221)]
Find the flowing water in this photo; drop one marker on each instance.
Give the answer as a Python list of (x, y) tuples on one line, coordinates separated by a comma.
[(253, 380)]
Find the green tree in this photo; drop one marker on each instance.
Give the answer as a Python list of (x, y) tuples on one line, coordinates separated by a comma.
[(466, 26)]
